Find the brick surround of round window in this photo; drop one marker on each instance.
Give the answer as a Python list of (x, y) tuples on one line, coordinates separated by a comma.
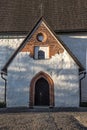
[(41, 37)]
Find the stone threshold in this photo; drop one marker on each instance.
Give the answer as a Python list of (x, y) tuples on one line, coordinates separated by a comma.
[(42, 109)]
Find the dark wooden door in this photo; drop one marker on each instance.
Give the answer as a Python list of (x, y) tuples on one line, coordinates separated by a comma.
[(41, 92)]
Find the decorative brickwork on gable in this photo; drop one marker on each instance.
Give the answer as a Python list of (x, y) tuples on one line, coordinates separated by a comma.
[(54, 44), (49, 40), (51, 88)]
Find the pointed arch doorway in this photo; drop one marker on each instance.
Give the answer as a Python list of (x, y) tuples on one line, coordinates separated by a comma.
[(41, 90)]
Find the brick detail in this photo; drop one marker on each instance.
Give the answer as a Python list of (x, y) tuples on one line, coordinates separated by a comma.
[(32, 88), (50, 40)]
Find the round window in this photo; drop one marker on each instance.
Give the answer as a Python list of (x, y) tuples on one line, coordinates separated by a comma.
[(40, 37)]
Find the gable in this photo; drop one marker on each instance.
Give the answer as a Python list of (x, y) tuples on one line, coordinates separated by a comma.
[(47, 40)]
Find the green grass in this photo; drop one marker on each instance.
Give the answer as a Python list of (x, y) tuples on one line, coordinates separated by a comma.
[(2, 104)]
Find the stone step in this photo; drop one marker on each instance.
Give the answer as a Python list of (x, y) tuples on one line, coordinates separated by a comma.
[(42, 109)]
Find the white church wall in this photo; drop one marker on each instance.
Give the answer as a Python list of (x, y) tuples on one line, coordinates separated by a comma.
[(84, 89), (78, 45), (8, 45), (76, 42), (61, 68)]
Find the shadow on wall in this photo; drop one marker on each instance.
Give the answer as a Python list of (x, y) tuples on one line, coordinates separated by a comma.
[(5, 53), (24, 68), (77, 44)]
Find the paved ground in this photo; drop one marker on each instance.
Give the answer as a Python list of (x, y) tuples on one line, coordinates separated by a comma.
[(56, 120)]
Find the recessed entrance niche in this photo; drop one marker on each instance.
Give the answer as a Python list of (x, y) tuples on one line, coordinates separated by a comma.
[(41, 90)]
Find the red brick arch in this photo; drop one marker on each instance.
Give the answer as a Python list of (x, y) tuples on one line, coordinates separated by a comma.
[(32, 88)]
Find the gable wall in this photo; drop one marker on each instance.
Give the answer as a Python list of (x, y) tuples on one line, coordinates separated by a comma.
[(77, 44), (61, 68), (49, 41)]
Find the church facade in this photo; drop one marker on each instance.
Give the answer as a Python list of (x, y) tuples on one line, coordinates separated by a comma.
[(48, 66), (42, 72)]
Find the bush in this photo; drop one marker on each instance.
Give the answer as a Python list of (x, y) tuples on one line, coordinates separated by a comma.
[(83, 104), (2, 104)]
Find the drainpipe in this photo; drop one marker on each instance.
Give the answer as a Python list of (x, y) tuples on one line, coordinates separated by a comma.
[(5, 80), (83, 72)]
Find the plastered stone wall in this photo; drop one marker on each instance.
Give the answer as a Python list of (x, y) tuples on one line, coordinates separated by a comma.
[(7, 47), (61, 68), (77, 43)]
